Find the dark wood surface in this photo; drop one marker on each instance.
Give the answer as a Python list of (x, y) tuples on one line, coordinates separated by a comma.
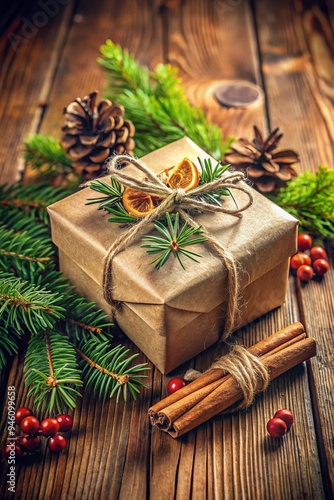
[(285, 47)]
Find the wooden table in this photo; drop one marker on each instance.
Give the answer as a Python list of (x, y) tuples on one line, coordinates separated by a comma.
[(285, 47)]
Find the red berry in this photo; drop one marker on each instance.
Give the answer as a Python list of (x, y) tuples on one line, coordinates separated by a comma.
[(12, 451), (304, 241), (65, 422), (320, 266), (318, 253), (298, 259), (29, 443), (276, 427), (22, 413), (57, 443), (30, 425), (286, 416), (305, 273), (175, 384), (49, 427)]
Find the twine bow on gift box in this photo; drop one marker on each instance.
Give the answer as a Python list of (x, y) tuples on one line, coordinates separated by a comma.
[(176, 200)]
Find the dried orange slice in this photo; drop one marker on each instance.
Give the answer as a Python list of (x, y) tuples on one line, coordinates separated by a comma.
[(185, 176), (139, 204)]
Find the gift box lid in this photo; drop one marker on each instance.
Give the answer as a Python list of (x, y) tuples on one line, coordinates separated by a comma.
[(264, 237)]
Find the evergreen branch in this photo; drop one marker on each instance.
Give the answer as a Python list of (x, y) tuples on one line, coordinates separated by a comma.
[(209, 174), (310, 198), (173, 241), (22, 254), (156, 103), (44, 153), (107, 370), (27, 306), (52, 372), (9, 343), (31, 200)]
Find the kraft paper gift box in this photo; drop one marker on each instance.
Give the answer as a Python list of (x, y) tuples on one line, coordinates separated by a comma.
[(172, 314)]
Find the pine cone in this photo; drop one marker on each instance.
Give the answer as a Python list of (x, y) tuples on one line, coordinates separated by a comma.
[(268, 170), (92, 133)]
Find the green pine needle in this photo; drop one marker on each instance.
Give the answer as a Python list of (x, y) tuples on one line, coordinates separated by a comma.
[(9, 343), (29, 201), (310, 198), (107, 370), (209, 174), (44, 153), (113, 193), (27, 306), (52, 372), (156, 103), (173, 241)]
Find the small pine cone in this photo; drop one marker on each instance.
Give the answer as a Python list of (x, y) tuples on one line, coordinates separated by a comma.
[(267, 169), (93, 133)]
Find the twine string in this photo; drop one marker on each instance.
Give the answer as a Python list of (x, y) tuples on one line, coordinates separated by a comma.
[(177, 200), (248, 370)]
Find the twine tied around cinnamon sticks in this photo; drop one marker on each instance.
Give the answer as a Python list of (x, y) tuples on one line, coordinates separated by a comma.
[(217, 390), (176, 200), (247, 369)]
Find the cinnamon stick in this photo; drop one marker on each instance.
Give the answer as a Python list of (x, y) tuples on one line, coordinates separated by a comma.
[(261, 348), (215, 391)]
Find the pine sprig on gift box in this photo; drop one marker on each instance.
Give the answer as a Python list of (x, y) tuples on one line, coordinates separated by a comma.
[(156, 103), (43, 152), (310, 198), (36, 300), (174, 240)]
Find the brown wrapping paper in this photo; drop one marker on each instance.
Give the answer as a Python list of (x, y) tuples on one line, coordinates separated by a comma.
[(172, 314)]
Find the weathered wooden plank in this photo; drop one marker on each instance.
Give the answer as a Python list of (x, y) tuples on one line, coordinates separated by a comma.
[(133, 25), (30, 57), (298, 67), (211, 43)]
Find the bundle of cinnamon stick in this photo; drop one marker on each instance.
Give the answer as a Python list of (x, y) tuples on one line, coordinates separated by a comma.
[(215, 390)]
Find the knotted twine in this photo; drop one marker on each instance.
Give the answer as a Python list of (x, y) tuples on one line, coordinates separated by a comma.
[(247, 369), (176, 200)]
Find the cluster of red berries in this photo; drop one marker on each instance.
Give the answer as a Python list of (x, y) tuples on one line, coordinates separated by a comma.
[(309, 260), (279, 425), (29, 441)]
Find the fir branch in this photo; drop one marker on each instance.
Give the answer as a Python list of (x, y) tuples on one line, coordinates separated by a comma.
[(44, 153), (9, 343), (310, 198), (107, 370), (52, 372), (27, 306), (31, 200), (173, 241), (22, 254), (156, 103)]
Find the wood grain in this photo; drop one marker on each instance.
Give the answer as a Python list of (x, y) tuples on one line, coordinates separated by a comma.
[(25, 78), (303, 47), (211, 43)]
